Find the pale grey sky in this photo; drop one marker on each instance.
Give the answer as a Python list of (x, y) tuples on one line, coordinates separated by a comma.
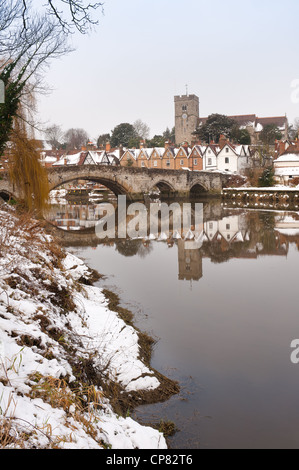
[(237, 57)]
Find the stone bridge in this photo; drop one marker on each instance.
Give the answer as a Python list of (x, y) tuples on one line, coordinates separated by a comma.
[(133, 182)]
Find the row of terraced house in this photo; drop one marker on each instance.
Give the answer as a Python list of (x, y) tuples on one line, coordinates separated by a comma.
[(223, 156)]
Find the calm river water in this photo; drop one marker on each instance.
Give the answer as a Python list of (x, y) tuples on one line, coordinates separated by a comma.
[(224, 313)]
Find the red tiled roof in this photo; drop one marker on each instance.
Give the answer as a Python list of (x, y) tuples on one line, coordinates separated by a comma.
[(279, 121)]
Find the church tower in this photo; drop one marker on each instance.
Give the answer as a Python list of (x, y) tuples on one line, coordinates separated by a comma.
[(186, 117)]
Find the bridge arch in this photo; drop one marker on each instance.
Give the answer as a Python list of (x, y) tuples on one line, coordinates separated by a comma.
[(164, 187), (114, 186), (198, 189)]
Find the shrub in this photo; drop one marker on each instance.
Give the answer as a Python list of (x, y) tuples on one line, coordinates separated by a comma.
[(267, 178)]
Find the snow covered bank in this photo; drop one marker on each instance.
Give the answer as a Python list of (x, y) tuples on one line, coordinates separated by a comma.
[(61, 349)]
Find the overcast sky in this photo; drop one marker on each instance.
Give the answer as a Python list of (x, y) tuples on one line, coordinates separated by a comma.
[(238, 57)]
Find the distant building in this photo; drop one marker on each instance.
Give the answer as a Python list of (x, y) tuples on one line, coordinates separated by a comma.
[(186, 117), (286, 166)]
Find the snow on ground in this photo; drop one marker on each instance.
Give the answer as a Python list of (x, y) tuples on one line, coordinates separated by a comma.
[(50, 324)]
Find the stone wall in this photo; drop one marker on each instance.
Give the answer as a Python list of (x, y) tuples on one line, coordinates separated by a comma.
[(134, 182)]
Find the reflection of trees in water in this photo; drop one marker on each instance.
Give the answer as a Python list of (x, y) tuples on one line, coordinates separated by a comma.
[(130, 247), (267, 233), (262, 225), (145, 249), (220, 253)]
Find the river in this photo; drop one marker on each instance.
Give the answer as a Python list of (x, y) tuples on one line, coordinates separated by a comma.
[(223, 313)]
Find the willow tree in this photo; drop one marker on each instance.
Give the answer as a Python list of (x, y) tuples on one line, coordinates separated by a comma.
[(25, 169)]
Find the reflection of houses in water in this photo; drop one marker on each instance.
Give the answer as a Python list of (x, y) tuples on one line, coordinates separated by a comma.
[(287, 229), (228, 229), (241, 235), (235, 237)]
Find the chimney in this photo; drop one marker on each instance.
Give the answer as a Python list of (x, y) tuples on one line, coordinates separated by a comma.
[(222, 141), (141, 144), (108, 147), (167, 144), (281, 147), (121, 151)]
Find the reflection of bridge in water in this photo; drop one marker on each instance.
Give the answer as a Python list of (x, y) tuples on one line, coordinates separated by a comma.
[(220, 235)]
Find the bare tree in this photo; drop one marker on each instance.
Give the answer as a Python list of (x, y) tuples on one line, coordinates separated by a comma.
[(71, 15), (293, 130), (76, 139), (142, 129), (54, 135), (24, 55), (28, 42), (79, 16)]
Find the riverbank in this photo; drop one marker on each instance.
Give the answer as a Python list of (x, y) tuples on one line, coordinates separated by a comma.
[(72, 363)]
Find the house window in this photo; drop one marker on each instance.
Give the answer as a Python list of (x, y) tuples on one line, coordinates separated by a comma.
[(195, 161), (155, 162), (182, 161), (209, 161), (210, 225), (226, 160), (227, 236), (227, 226), (167, 162), (142, 163), (227, 149)]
